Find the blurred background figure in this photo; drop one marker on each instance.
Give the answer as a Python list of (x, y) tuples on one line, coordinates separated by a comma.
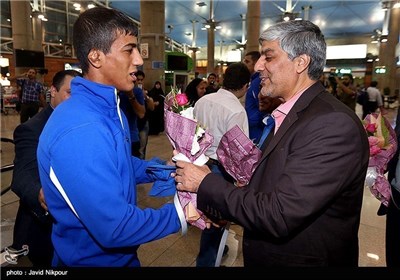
[(33, 223), (156, 117), (195, 90)]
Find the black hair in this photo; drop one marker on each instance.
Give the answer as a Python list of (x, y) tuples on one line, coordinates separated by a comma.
[(236, 76), (59, 77), (140, 73), (255, 55), (98, 28), (191, 90)]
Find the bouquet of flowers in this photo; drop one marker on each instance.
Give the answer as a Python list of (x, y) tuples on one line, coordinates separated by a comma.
[(238, 155), (191, 141), (382, 147)]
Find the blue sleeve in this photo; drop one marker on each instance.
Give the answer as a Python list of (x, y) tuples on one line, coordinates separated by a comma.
[(139, 95), (254, 115), (103, 191)]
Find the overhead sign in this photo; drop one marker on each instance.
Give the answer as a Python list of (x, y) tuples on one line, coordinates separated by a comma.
[(380, 70), (157, 64), (144, 50)]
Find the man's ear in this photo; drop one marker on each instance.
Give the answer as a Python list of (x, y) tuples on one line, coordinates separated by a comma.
[(53, 91), (95, 58), (302, 62)]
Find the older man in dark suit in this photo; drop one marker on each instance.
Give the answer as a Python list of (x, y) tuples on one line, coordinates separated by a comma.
[(33, 223), (302, 206)]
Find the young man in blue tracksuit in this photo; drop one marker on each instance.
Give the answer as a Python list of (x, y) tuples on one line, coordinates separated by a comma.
[(88, 174)]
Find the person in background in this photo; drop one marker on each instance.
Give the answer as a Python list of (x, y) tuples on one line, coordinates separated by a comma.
[(266, 104), (132, 104), (254, 115), (302, 205), (143, 123), (33, 223), (392, 211), (374, 100), (88, 174), (212, 83), (32, 95), (325, 82), (346, 90), (219, 112), (156, 117), (195, 90)]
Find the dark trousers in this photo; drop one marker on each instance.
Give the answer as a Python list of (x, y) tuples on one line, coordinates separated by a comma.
[(135, 146), (28, 110), (29, 230), (393, 231), (209, 244), (211, 238)]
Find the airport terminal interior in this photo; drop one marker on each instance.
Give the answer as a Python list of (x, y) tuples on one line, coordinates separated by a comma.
[(351, 23), (181, 251)]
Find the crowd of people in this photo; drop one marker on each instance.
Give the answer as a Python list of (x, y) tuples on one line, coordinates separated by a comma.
[(79, 161)]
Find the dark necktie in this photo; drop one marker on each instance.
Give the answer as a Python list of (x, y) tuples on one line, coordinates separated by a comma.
[(267, 129)]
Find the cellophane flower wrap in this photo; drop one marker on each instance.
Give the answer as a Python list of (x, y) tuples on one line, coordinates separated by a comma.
[(382, 147), (191, 141), (238, 155)]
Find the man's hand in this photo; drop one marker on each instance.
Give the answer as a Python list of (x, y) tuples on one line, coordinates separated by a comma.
[(189, 176)]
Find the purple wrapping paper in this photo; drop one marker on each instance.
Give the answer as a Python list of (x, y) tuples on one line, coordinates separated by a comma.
[(238, 155), (180, 132), (381, 188)]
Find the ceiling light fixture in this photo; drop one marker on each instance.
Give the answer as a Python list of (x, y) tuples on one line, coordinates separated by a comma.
[(4, 62), (39, 15)]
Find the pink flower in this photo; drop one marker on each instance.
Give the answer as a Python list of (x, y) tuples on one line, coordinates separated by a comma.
[(181, 99), (374, 150), (373, 141), (371, 128), (382, 142)]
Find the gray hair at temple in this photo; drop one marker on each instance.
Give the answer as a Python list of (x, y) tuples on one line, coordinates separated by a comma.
[(297, 37)]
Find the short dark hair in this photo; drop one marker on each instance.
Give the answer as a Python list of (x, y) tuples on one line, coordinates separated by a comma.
[(350, 76), (236, 76), (255, 55), (140, 73), (374, 83), (59, 77), (98, 28)]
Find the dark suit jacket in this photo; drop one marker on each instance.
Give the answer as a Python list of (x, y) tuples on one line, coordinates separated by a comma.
[(32, 225), (302, 206)]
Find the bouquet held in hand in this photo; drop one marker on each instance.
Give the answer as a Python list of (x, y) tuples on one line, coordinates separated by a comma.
[(238, 155), (382, 147), (191, 141)]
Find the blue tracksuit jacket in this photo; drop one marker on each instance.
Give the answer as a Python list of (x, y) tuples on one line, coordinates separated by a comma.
[(85, 149)]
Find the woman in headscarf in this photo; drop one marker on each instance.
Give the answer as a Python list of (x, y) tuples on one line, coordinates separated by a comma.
[(156, 117)]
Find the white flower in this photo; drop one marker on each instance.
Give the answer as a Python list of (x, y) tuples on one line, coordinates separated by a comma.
[(187, 113)]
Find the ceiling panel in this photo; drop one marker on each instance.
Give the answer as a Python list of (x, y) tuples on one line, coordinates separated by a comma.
[(337, 19)]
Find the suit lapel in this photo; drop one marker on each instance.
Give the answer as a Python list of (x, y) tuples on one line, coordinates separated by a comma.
[(293, 115)]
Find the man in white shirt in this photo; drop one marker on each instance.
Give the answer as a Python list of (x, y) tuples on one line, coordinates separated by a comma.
[(374, 99), (219, 112)]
